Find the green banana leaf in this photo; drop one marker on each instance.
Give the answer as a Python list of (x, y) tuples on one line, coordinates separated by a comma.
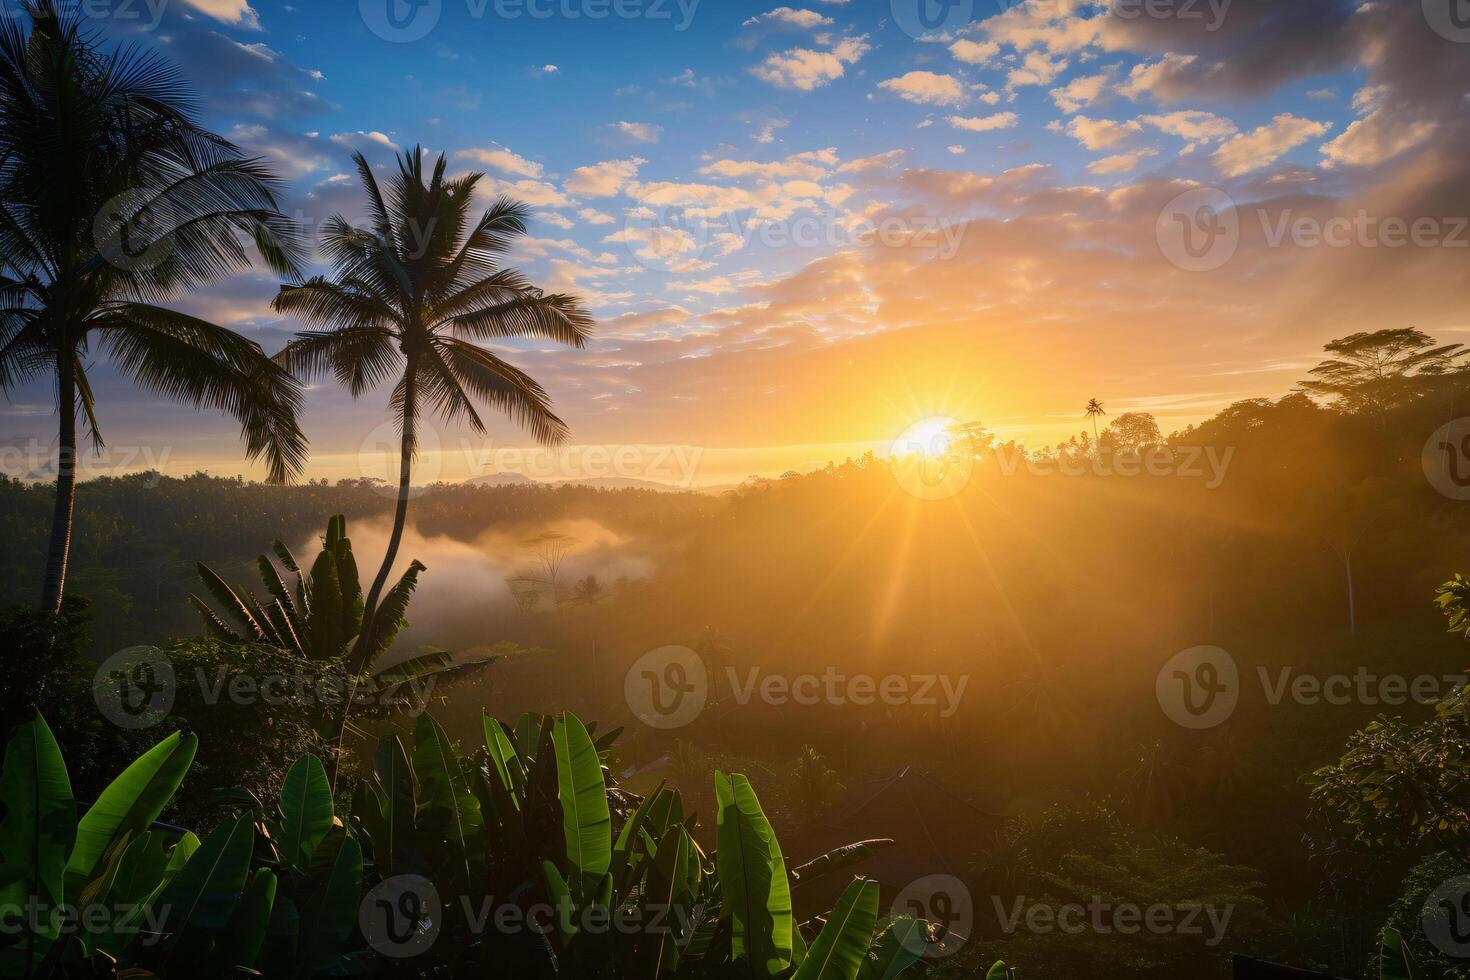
[(1395, 960), (132, 801), (36, 834), (900, 946), (841, 947), (306, 812), (240, 946), (586, 820), (196, 905), (446, 802), (757, 895), (330, 914), (666, 896)]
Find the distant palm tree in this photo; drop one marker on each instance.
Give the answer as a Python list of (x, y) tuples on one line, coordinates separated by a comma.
[(409, 297), (113, 198), (1094, 409)]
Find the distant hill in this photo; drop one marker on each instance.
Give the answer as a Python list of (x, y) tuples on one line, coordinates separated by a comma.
[(595, 482)]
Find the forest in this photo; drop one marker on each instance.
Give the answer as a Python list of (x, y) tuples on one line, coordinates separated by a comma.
[(1134, 704)]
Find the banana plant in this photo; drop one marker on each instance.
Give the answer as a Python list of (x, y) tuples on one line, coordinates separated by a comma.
[(532, 820), (320, 620), (274, 894)]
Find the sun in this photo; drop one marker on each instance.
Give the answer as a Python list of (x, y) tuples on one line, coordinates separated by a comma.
[(930, 437)]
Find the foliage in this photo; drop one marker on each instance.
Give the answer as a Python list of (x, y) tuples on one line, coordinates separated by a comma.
[(1084, 857), (112, 198), (319, 621)]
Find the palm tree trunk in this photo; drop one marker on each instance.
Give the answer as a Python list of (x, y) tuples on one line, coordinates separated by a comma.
[(66, 484), (400, 513), (1347, 562)]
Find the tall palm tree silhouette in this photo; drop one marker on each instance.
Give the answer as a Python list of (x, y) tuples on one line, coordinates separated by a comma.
[(113, 198), (1094, 409), (409, 296)]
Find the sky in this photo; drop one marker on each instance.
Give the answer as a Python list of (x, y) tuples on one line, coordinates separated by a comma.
[(803, 228)]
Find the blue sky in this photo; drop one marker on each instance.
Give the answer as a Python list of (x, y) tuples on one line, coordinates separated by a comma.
[(802, 226)]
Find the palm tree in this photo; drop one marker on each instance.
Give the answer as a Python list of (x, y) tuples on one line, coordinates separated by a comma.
[(410, 296), (112, 198), (1094, 409)]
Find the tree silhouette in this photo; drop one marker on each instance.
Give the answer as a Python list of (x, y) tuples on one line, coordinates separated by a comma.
[(1094, 409), (113, 198), (410, 296)]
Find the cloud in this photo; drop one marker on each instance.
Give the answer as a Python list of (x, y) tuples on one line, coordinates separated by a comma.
[(637, 132), (1192, 124), (974, 52), (984, 124), (1036, 69), (361, 140), (1081, 92), (812, 165), (606, 179), (236, 12), (804, 69), (878, 161), (1376, 138), (595, 217), (503, 160), (1100, 134), (790, 17), (1120, 163), (1266, 144), (927, 88), (533, 192)]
